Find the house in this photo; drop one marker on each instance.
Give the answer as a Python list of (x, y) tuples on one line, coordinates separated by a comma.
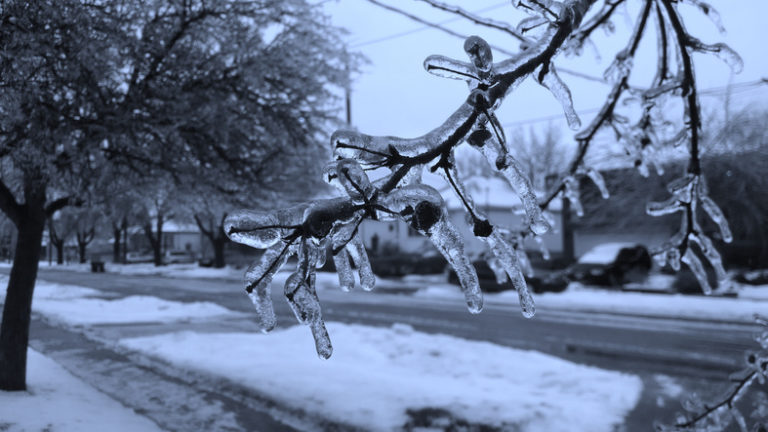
[(492, 196), (176, 237)]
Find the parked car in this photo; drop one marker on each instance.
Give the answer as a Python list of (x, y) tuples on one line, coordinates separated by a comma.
[(542, 281), (611, 265), (178, 257), (139, 257)]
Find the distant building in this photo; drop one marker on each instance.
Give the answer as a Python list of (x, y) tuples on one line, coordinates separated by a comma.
[(176, 237), (492, 196)]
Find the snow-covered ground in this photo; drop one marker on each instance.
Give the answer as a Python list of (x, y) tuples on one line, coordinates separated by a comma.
[(76, 305), (192, 270), (133, 309), (377, 374), (751, 301), (56, 401)]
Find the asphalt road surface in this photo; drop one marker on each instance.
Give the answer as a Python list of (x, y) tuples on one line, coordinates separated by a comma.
[(698, 354)]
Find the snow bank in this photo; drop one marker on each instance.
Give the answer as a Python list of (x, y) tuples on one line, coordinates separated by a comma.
[(134, 309), (57, 401), (192, 270), (586, 299), (377, 374)]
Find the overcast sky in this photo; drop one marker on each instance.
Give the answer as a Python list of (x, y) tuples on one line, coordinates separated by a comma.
[(393, 95)]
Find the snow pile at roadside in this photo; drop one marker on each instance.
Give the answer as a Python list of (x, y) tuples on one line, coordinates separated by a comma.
[(585, 299), (53, 291), (74, 305), (192, 270), (377, 374), (57, 401), (133, 309)]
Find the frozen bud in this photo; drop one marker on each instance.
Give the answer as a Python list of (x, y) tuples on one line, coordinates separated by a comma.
[(479, 53), (479, 137), (321, 216), (348, 176), (425, 215)]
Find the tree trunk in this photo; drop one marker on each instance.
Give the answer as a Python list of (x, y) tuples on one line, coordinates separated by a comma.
[(81, 249), (59, 252), (569, 254), (14, 331), (125, 241), (156, 240), (116, 234), (218, 252)]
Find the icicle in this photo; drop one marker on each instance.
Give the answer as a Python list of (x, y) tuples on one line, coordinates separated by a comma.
[(447, 240), (258, 278), (511, 170), (302, 298), (739, 419), (571, 193), (547, 76), (655, 208), (525, 263), (693, 262), (496, 267), (344, 270), (322, 339), (674, 258), (598, 180), (710, 12), (356, 250), (542, 248), (447, 67), (717, 216), (722, 51), (322, 252), (508, 258), (710, 252), (423, 208)]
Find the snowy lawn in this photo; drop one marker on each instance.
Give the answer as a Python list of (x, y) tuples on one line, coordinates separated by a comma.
[(134, 309), (57, 401), (75, 305), (377, 374), (147, 269)]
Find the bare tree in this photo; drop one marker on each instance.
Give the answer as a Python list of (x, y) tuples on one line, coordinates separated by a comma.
[(195, 90)]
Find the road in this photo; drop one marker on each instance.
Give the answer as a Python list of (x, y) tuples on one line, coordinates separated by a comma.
[(698, 354)]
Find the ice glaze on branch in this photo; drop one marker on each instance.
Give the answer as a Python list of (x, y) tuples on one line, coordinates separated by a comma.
[(307, 230)]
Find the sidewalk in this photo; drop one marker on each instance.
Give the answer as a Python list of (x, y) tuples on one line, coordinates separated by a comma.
[(174, 399)]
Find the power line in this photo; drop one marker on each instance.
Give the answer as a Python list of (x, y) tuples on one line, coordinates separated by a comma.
[(424, 27), (737, 88)]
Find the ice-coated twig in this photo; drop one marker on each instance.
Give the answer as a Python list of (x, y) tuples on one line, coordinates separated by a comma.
[(718, 415), (399, 194), (508, 259), (687, 193), (498, 25), (258, 278)]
